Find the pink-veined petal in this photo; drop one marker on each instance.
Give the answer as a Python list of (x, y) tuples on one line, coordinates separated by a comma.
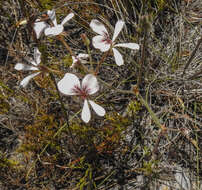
[(52, 16), (37, 56), (67, 18), (39, 28), (26, 80), (99, 43), (67, 83), (133, 46), (54, 31), (118, 28), (98, 27), (90, 82), (99, 110), (85, 114), (118, 57), (25, 67)]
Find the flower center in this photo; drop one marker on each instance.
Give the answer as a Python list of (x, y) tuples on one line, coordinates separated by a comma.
[(106, 39), (83, 91)]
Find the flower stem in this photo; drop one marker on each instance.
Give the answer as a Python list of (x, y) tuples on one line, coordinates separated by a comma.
[(101, 61), (89, 53), (61, 38), (64, 110), (141, 99)]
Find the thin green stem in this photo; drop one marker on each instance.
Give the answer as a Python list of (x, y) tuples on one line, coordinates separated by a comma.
[(141, 99), (89, 53), (154, 117)]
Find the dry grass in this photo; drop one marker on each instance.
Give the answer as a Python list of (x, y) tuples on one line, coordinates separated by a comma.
[(149, 137)]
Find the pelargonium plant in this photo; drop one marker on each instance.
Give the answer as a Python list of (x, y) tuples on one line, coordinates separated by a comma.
[(103, 42), (70, 85), (51, 30), (33, 67)]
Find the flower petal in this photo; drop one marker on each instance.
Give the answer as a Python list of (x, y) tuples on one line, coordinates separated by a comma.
[(85, 114), (90, 82), (99, 110), (37, 56), (24, 67), (54, 31), (118, 57), (68, 83), (74, 60), (83, 56), (99, 43), (67, 18), (51, 14), (39, 28), (98, 27), (26, 80), (133, 46), (118, 28)]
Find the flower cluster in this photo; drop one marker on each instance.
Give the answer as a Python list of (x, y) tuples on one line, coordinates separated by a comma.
[(70, 84)]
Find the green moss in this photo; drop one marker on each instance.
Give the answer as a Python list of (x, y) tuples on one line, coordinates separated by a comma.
[(40, 134), (47, 4), (5, 94), (4, 106), (67, 60), (4, 162), (133, 107), (87, 181), (161, 4), (150, 167)]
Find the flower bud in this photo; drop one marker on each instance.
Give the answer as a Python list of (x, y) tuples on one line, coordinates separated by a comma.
[(85, 39)]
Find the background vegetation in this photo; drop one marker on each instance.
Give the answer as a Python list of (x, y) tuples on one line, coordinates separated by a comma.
[(149, 139)]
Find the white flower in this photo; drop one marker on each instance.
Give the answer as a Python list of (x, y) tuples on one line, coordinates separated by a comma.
[(33, 67), (104, 43), (70, 85), (57, 28), (39, 27), (81, 57), (54, 30)]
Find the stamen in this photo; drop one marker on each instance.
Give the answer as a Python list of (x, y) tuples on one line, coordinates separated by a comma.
[(83, 92), (106, 38)]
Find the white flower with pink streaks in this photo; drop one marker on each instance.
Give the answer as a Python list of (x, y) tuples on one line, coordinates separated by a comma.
[(104, 42), (70, 85)]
